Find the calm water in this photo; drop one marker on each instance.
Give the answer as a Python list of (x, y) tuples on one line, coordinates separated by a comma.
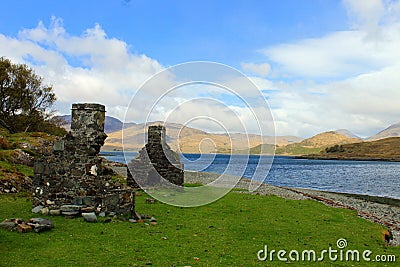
[(361, 177)]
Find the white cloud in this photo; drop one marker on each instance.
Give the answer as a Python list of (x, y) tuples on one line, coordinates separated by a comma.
[(261, 69), (86, 68), (361, 64)]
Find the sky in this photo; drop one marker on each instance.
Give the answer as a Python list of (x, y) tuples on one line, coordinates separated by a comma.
[(321, 65)]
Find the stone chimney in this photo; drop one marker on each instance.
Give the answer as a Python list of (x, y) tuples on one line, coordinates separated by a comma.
[(156, 163), (74, 174)]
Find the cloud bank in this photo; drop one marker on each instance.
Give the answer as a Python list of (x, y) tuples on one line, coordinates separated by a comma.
[(344, 79)]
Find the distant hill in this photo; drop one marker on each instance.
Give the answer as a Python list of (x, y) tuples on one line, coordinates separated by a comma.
[(314, 144), (383, 149), (111, 124), (392, 131), (328, 139)]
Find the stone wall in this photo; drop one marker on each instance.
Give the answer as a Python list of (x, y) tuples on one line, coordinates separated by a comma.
[(74, 174), (156, 163)]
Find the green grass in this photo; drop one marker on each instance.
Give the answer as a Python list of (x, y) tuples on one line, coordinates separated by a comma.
[(228, 232), (26, 170)]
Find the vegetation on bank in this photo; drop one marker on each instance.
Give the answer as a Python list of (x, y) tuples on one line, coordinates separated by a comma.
[(387, 149), (228, 232)]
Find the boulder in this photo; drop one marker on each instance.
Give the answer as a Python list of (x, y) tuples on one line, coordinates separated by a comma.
[(37, 209), (89, 217)]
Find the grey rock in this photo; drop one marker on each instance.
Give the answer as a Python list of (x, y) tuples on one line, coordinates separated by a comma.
[(89, 217), (70, 208), (7, 225), (77, 201), (37, 209), (152, 219), (70, 213), (102, 214), (59, 146), (55, 212), (132, 221), (40, 224), (87, 201)]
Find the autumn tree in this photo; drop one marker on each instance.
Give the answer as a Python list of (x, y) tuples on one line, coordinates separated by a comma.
[(25, 102)]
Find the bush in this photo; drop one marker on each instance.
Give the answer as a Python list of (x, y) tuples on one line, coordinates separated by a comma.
[(334, 149)]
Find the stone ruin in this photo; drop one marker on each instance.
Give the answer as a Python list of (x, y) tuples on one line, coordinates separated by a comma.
[(73, 178), (156, 164)]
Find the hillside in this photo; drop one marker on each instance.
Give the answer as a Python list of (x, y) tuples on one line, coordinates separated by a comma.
[(384, 149), (328, 139), (392, 131), (17, 154), (314, 144)]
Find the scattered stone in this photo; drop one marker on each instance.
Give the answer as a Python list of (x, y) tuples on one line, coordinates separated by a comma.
[(112, 213), (55, 212), (40, 224), (132, 221), (89, 217), (44, 211), (37, 209), (153, 223), (102, 214), (8, 224), (152, 219), (24, 228)]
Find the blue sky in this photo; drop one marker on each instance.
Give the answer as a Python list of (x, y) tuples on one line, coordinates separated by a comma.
[(321, 64), (178, 31)]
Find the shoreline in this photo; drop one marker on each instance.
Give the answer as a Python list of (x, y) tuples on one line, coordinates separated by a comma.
[(319, 157), (381, 210)]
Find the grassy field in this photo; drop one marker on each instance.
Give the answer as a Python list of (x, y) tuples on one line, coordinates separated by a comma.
[(228, 232)]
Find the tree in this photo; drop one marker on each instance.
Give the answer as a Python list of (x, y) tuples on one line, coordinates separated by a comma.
[(25, 103)]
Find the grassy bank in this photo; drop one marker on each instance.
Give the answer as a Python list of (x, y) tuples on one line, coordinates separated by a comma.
[(228, 232)]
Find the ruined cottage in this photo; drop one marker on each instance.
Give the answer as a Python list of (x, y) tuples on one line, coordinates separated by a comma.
[(73, 177), (156, 164)]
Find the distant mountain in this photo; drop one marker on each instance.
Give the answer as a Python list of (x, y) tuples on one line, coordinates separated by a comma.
[(191, 140), (383, 149), (347, 133), (111, 124), (392, 131), (314, 144)]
